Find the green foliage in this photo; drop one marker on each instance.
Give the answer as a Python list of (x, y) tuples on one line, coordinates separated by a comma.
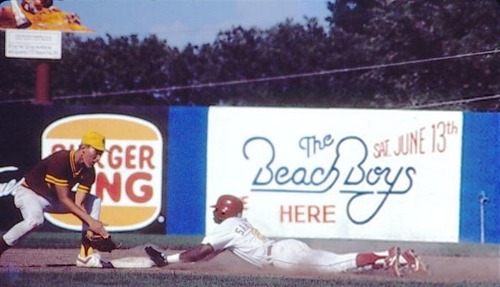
[(107, 65), (17, 77), (426, 30), (357, 60)]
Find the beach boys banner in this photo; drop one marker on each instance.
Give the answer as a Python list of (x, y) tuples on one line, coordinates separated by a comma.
[(338, 173)]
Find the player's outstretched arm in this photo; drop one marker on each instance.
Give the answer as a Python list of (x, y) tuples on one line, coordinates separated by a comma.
[(197, 253)]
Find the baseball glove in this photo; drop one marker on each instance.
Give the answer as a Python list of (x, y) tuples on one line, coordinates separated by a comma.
[(100, 243)]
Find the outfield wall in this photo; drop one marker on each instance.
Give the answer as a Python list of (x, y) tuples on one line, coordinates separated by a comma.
[(304, 173), (130, 177), (338, 173)]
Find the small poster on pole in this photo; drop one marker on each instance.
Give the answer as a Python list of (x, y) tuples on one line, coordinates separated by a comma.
[(33, 44)]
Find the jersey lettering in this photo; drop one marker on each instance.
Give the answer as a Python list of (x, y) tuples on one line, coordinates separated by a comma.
[(242, 228), (246, 228)]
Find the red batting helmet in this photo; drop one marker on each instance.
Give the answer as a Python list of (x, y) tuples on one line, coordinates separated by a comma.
[(227, 206)]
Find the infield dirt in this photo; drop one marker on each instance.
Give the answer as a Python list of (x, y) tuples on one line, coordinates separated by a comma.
[(458, 270)]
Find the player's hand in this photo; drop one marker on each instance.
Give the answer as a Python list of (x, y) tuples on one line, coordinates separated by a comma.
[(98, 228)]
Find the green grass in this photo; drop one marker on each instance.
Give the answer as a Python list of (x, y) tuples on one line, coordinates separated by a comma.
[(128, 240)]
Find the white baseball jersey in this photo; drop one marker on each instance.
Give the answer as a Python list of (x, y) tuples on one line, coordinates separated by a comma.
[(240, 237)]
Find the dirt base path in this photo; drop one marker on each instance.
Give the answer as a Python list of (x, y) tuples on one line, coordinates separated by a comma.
[(443, 269)]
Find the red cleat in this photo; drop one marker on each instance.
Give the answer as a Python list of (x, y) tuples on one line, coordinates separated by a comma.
[(392, 261), (412, 261)]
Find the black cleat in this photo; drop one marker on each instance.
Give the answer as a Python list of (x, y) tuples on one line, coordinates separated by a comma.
[(157, 257)]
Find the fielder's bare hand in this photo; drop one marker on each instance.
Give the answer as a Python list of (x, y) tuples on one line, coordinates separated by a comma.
[(98, 228)]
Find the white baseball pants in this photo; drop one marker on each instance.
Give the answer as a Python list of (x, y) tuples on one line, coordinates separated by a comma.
[(32, 207), (293, 254)]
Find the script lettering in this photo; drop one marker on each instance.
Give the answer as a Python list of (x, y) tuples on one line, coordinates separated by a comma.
[(348, 171), (9, 187)]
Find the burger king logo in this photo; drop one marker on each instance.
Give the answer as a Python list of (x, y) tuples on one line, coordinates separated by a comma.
[(129, 174)]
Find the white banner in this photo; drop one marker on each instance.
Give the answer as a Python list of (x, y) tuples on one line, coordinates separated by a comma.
[(339, 173), (33, 44)]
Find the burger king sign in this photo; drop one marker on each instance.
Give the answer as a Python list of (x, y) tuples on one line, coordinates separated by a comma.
[(129, 174)]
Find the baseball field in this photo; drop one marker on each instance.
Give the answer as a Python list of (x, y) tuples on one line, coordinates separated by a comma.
[(48, 259)]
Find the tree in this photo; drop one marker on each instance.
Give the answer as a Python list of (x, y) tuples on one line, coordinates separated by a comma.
[(419, 30), (112, 65), (382, 54), (17, 76)]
